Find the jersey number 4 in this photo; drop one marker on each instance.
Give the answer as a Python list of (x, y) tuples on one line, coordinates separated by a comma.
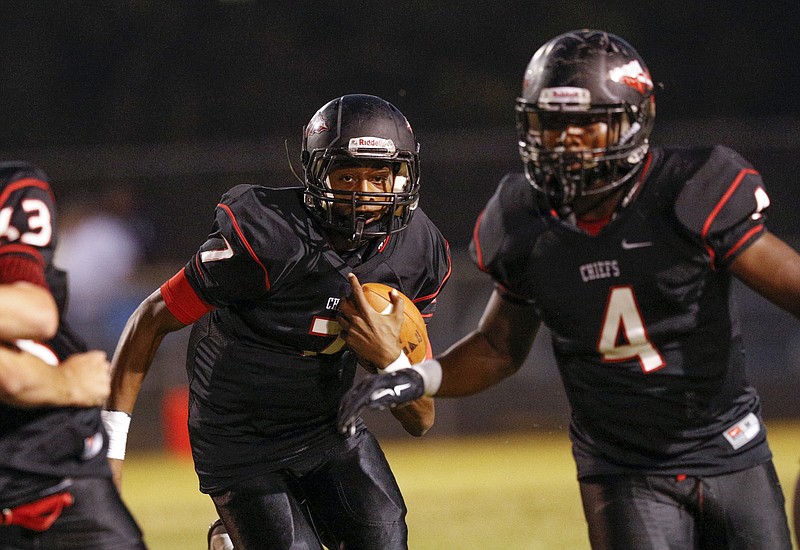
[(623, 336)]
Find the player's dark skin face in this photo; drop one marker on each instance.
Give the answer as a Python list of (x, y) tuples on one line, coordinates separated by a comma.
[(575, 138), (364, 179)]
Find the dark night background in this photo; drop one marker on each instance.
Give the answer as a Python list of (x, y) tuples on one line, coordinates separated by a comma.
[(162, 71), (180, 100), (183, 99)]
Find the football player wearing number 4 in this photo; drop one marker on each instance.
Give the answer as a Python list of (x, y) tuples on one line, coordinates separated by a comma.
[(626, 252), (266, 363)]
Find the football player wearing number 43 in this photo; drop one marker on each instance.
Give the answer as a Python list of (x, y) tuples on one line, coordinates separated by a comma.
[(56, 489), (267, 366), (626, 252)]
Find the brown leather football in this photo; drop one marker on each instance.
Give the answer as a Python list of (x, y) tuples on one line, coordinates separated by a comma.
[(414, 333)]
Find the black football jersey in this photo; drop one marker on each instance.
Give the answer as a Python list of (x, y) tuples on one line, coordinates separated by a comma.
[(643, 325), (37, 444), (267, 366)]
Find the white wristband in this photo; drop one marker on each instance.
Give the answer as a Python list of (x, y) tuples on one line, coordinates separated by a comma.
[(401, 362), (431, 372), (116, 424)]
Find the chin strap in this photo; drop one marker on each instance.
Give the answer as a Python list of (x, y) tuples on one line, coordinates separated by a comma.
[(359, 230)]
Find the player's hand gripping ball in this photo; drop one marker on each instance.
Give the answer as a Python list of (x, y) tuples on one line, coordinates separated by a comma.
[(414, 333)]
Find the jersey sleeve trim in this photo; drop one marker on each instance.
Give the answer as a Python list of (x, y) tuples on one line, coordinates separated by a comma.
[(21, 268), (748, 237), (23, 249), (20, 184), (246, 243), (718, 208), (182, 300), (433, 295), (476, 239), (510, 295)]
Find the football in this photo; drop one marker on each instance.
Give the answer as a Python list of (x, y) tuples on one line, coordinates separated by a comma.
[(414, 333)]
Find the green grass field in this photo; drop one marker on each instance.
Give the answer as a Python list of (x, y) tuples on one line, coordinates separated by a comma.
[(516, 492)]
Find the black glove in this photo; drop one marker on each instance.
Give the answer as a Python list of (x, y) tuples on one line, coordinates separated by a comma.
[(377, 392)]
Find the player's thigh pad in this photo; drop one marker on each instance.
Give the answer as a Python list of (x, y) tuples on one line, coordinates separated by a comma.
[(638, 512), (357, 497), (745, 509), (265, 513)]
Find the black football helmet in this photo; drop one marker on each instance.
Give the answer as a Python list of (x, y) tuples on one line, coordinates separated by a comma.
[(360, 128), (579, 78)]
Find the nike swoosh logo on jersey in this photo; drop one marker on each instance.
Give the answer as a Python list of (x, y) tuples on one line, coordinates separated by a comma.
[(394, 392), (629, 246)]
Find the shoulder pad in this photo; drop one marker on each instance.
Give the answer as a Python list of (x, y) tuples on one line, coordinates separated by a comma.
[(266, 217), (428, 243), (16, 170), (257, 234), (507, 224), (236, 192), (724, 190)]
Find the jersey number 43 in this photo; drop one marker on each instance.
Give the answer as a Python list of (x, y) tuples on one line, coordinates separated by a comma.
[(38, 222)]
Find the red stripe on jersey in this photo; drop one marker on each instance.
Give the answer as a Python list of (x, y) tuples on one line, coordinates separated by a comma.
[(477, 241), (15, 268), (721, 204), (23, 249), (246, 244), (198, 267), (747, 236), (382, 246), (19, 184), (181, 299), (444, 280)]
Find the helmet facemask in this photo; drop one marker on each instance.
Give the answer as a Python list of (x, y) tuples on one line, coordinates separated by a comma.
[(565, 175), (397, 204)]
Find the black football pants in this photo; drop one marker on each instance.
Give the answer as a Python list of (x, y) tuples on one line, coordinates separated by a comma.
[(96, 520), (736, 511), (348, 496)]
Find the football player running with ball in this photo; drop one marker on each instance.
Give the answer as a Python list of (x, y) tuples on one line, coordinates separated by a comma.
[(267, 364), (626, 252)]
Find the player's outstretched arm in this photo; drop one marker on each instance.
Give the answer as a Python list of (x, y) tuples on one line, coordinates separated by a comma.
[(138, 343), (82, 380), (361, 327), (772, 268), (491, 353)]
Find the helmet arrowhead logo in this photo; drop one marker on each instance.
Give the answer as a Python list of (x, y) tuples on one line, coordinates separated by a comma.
[(317, 125), (632, 75)]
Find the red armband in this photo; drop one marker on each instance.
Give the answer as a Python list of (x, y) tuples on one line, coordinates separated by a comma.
[(181, 299)]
